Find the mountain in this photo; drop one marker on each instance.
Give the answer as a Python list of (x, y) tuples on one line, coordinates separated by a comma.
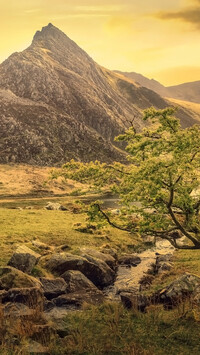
[(187, 91), (147, 83), (56, 104)]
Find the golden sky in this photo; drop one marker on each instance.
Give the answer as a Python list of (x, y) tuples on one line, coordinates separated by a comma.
[(157, 38)]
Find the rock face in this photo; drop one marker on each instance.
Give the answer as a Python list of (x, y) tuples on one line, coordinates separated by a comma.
[(24, 259), (95, 270), (57, 104)]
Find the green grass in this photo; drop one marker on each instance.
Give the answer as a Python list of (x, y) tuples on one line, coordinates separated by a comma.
[(183, 261), (55, 228), (108, 329), (111, 329)]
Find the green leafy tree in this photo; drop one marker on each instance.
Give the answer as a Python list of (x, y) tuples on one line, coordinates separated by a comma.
[(159, 185)]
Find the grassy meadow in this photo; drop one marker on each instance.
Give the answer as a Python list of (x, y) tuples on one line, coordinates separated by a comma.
[(110, 328)]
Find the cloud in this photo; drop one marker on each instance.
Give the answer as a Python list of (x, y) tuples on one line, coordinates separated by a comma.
[(190, 15)]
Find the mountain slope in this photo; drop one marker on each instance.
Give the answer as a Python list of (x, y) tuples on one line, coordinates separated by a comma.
[(150, 84), (187, 91), (56, 103)]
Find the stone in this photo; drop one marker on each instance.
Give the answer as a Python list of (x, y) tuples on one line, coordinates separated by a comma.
[(136, 301), (164, 266), (17, 310), (98, 272), (110, 251), (54, 206), (32, 297), (77, 281), (77, 299), (13, 278), (24, 259), (196, 296), (107, 258), (53, 287), (129, 259), (36, 243), (179, 289)]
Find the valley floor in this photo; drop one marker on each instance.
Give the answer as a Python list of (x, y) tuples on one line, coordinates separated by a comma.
[(95, 330)]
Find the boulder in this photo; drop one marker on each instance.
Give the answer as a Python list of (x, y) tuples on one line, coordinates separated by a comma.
[(36, 243), (129, 259), (96, 271), (32, 297), (136, 301), (77, 281), (24, 259), (54, 206), (53, 287), (17, 310), (180, 289), (107, 258), (164, 266), (196, 296), (13, 278), (111, 251), (77, 299)]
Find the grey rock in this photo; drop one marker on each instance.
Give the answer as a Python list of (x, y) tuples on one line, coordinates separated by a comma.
[(107, 258), (135, 301), (40, 245), (14, 278), (77, 299), (32, 297), (179, 289), (129, 259), (24, 259), (77, 281), (99, 272), (53, 287), (53, 206)]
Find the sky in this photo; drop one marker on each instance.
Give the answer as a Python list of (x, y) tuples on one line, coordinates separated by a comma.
[(157, 38)]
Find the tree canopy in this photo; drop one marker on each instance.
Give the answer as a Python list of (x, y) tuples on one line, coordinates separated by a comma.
[(160, 184)]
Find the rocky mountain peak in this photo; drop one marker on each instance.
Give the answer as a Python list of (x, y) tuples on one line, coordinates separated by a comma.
[(49, 32)]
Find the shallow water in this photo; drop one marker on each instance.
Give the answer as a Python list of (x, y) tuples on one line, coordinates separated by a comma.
[(128, 277)]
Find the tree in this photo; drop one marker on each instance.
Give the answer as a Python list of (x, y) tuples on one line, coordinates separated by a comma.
[(160, 183)]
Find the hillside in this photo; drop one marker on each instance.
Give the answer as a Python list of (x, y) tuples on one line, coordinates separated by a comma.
[(57, 104), (187, 91)]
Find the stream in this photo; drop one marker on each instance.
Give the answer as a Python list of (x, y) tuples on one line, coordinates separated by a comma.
[(128, 277)]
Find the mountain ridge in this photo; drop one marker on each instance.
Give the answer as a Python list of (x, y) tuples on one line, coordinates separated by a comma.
[(189, 91), (57, 104)]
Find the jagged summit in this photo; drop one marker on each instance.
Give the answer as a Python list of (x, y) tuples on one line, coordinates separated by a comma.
[(49, 32), (57, 104)]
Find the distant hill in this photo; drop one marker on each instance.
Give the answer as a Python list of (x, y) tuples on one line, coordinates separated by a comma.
[(56, 104), (188, 91)]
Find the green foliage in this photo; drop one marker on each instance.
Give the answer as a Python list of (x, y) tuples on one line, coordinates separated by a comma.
[(159, 186)]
